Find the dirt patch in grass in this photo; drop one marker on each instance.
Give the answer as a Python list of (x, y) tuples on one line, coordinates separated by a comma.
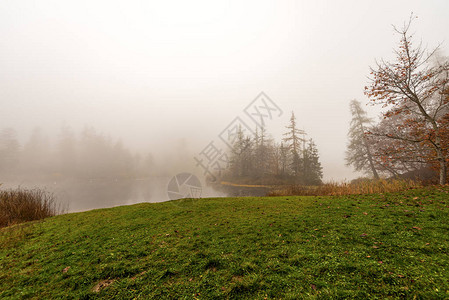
[(102, 285)]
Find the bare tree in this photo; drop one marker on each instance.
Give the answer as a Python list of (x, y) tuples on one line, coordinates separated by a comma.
[(413, 87), (394, 155)]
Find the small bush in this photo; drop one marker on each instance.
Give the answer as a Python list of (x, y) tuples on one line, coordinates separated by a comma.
[(22, 205)]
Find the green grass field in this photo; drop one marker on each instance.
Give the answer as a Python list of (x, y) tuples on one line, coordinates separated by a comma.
[(369, 246)]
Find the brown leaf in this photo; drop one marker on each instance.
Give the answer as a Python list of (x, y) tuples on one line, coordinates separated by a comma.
[(66, 269)]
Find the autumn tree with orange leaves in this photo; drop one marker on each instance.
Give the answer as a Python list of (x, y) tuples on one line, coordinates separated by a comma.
[(413, 87)]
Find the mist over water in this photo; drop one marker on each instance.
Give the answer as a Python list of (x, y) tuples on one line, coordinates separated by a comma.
[(75, 195)]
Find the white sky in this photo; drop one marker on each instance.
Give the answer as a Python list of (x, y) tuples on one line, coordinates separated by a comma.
[(155, 72)]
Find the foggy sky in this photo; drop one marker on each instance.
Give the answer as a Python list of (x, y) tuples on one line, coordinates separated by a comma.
[(168, 76)]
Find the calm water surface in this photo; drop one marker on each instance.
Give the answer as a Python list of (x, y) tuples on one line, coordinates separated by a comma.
[(81, 195)]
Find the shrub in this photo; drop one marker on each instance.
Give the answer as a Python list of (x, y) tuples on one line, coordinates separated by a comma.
[(22, 205)]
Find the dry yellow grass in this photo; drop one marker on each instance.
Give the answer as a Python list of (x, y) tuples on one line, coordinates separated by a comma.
[(242, 185), (345, 188)]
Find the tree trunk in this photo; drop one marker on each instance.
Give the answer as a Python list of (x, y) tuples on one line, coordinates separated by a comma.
[(440, 155), (367, 148), (443, 166), (443, 170), (370, 159)]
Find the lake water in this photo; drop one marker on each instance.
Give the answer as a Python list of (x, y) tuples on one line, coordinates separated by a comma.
[(81, 195)]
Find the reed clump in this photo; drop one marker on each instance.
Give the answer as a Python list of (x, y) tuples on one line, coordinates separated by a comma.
[(23, 205)]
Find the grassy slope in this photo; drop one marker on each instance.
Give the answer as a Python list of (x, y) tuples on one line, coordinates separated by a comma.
[(390, 245)]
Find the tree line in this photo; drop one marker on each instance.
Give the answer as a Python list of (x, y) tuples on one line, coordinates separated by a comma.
[(412, 135), (88, 154), (258, 159)]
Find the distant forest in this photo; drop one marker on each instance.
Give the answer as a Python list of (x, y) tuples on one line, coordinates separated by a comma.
[(85, 155)]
